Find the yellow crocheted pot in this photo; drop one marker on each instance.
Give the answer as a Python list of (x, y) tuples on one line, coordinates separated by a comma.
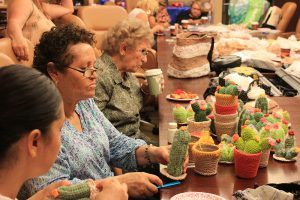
[(206, 158)]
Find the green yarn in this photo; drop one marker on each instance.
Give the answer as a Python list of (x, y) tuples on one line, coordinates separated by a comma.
[(239, 144), (265, 145), (180, 114), (262, 104), (232, 90), (248, 133), (252, 146), (178, 152), (75, 191)]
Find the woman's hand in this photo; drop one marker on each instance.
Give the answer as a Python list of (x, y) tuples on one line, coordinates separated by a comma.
[(46, 192), (20, 48), (111, 189), (162, 155), (140, 184)]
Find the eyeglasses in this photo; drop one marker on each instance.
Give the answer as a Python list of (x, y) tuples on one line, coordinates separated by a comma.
[(144, 52), (87, 72)]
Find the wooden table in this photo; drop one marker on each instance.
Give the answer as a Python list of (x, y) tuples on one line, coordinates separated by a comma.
[(224, 183)]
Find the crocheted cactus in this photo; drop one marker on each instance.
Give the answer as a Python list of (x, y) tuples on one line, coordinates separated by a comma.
[(262, 103), (227, 151), (244, 116), (180, 114), (258, 116), (75, 191), (290, 140), (265, 144), (252, 146), (265, 132), (248, 133), (178, 151), (232, 90), (277, 132), (201, 111), (241, 106), (222, 90), (291, 153), (279, 148), (239, 144)]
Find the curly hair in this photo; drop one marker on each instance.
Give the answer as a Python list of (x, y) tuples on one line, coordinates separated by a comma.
[(131, 31), (54, 46)]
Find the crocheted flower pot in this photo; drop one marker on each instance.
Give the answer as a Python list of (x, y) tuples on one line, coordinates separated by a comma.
[(198, 126), (225, 110), (246, 165), (226, 99), (264, 160), (206, 157), (225, 128), (193, 141), (226, 118)]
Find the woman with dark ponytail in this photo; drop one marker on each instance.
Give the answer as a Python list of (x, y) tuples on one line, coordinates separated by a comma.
[(31, 117)]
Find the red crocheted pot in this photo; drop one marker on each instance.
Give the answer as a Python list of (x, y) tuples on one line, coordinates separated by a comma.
[(226, 110), (246, 165)]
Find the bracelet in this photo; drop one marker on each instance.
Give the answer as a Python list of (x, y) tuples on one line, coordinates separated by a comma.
[(147, 156)]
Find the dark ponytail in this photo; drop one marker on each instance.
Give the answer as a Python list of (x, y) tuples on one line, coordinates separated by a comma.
[(28, 100)]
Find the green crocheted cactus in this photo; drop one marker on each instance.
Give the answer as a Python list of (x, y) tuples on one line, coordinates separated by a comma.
[(265, 144), (232, 90), (258, 116), (265, 132), (239, 144), (201, 111), (75, 191), (277, 132), (241, 106), (289, 140), (222, 90), (244, 116), (262, 103), (178, 152), (291, 153), (252, 146), (180, 114), (248, 133)]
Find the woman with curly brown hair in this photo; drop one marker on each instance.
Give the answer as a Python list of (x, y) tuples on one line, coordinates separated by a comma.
[(90, 143)]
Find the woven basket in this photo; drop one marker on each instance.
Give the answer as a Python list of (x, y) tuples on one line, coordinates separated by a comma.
[(226, 118), (206, 158), (198, 126), (264, 160), (225, 128), (225, 110), (190, 38), (246, 165), (194, 140), (226, 99)]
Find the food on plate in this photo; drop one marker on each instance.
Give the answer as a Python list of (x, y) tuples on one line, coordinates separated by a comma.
[(181, 94)]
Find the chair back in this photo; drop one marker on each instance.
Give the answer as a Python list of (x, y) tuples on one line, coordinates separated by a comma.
[(5, 60), (298, 26), (6, 48), (101, 18), (69, 18), (288, 10), (130, 4)]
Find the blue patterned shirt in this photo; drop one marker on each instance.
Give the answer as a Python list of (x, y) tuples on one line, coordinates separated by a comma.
[(88, 154)]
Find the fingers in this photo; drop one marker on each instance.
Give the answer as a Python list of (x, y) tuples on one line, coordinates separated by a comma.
[(154, 179), (58, 184)]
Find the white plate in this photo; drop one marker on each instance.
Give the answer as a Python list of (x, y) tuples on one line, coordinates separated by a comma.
[(174, 99), (283, 159), (196, 196)]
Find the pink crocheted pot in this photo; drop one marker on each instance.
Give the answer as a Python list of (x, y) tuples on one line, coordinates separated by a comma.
[(246, 165), (225, 110)]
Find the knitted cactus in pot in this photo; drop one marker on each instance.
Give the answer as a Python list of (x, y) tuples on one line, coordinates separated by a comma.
[(180, 114), (178, 151), (201, 111), (262, 103)]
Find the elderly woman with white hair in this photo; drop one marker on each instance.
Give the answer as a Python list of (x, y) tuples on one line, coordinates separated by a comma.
[(118, 93)]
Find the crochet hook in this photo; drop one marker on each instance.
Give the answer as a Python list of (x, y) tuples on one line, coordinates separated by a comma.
[(168, 184)]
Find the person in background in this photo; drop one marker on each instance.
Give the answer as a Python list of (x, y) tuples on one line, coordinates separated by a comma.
[(31, 117), (193, 15), (91, 145), (146, 11), (119, 3), (30, 19), (162, 16), (118, 93)]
